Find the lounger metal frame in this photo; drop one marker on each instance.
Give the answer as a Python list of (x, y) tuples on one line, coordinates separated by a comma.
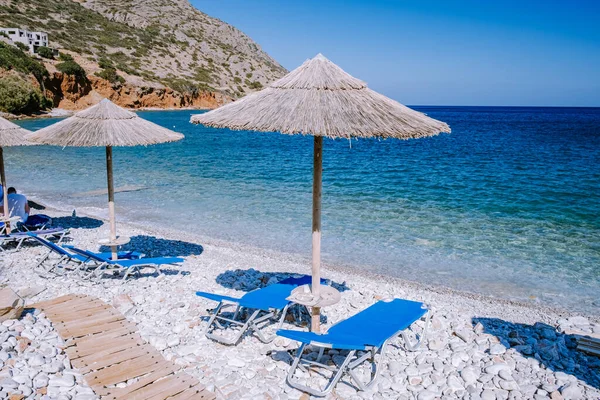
[(65, 260), (251, 324), (61, 266), (373, 355), (111, 266), (84, 263), (256, 314)]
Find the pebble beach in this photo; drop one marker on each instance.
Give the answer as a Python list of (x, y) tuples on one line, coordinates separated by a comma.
[(478, 347)]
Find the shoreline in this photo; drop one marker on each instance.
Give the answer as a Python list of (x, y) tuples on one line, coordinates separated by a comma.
[(350, 270), (529, 260)]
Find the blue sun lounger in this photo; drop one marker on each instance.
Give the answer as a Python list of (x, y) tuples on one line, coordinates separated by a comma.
[(67, 258), (121, 255), (367, 332), (267, 303), (20, 237), (128, 266)]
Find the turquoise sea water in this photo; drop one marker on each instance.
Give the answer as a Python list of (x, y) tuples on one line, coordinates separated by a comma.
[(508, 204)]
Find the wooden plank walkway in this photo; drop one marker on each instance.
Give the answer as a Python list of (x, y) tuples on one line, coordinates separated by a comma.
[(107, 349), (586, 342)]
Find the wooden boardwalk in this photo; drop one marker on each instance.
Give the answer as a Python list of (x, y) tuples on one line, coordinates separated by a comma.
[(106, 348), (586, 341)]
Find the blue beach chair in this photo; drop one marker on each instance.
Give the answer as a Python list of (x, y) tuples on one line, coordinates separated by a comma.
[(266, 304), (127, 266), (121, 255), (20, 237), (367, 332), (66, 258)]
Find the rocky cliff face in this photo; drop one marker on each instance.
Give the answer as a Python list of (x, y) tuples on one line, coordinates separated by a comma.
[(73, 93)]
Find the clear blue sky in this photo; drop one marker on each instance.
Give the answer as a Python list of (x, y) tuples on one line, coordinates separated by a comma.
[(438, 52)]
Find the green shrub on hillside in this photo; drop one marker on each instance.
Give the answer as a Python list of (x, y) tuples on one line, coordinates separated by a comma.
[(18, 96), (127, 69), (45, 52), (203, 75), (139, 53), (110, 74), (254, 85), (22, 46), (189, 87), (150, 75), (12, 58), (104, 63), (119, 57), (71, 68), (65, 57)]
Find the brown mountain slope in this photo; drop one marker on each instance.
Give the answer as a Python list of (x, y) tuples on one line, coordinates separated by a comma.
[(151, 42)]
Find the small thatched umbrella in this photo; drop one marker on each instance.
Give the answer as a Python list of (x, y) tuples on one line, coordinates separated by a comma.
[(105, 125), (320, 99), (10, 135)]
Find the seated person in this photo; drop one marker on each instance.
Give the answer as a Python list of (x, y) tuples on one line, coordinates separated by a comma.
[(17, 205)]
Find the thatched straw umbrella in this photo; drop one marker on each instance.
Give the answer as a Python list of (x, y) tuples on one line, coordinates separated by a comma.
[(320, 99), (10, 135), (106, 125)]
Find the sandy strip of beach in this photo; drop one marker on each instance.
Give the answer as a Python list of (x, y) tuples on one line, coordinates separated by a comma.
[(478, 346)]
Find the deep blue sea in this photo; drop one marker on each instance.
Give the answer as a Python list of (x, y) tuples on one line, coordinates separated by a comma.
[(507, 205)]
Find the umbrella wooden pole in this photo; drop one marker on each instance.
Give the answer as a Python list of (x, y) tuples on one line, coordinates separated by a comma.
[(111, 201), (316, 229), (4, 193)]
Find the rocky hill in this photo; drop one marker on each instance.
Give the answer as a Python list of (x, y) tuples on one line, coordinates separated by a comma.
[(155, 45)]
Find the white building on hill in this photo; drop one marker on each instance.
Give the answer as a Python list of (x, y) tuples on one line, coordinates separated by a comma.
[(33, 40)]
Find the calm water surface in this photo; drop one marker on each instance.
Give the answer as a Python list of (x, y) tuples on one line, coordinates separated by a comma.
[(508, 204)]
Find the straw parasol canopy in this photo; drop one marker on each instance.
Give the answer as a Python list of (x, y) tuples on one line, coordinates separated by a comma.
[(10, 135), (105, 125), (321, 99)]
